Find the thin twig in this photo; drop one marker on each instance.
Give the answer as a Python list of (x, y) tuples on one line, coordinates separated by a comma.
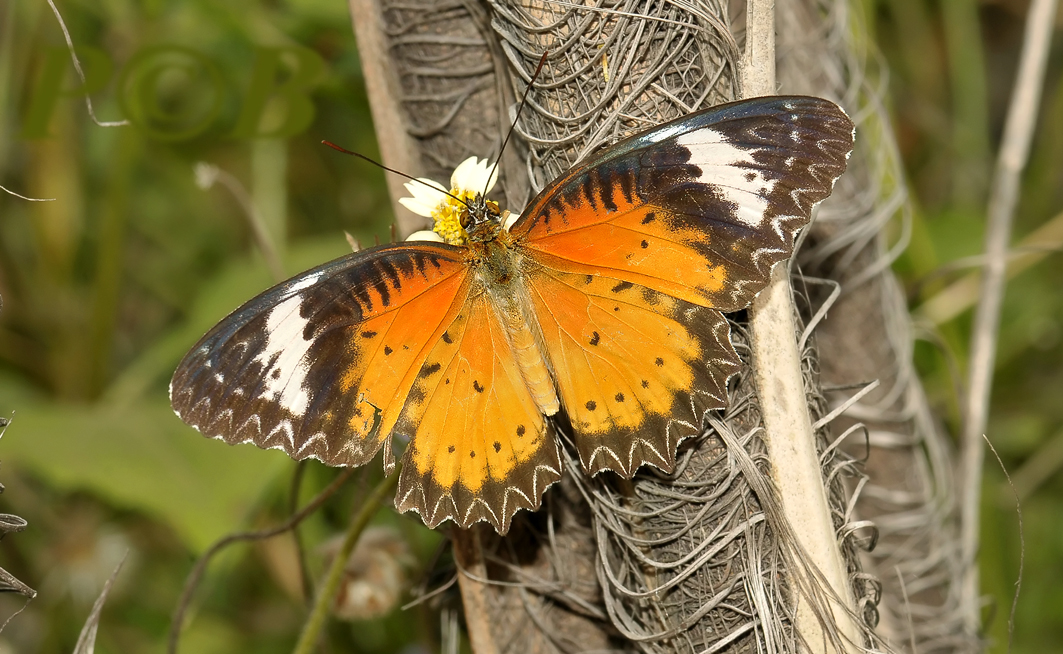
[(81, 73), (18, 195), (15, 614), (315, 622), (87, 638), (206, 176), (1014, 151), (201, 565), (1022, 545), (300, 549), (963, 293)]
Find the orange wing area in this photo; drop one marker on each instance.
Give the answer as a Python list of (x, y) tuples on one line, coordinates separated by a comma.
[(304, 366), (480, 449), (636, 368), (700, 208)]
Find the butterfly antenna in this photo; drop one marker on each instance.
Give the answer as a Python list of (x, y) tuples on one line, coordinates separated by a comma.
[(520, 108), (391, 170)]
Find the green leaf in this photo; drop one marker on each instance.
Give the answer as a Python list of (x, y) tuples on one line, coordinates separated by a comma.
[(143, 457)]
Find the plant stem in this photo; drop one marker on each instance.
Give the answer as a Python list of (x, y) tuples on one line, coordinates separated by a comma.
[(325, 596), (788, 432), (1003, 196)]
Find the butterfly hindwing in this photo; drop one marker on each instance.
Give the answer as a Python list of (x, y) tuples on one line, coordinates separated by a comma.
[(479, 447), (699, 208), (636, 368), (320, 365)]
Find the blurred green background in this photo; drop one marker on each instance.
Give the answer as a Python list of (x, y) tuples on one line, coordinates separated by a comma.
[(107, 287)]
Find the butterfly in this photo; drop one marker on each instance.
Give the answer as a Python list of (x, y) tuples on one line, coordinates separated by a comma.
[(601, 308)]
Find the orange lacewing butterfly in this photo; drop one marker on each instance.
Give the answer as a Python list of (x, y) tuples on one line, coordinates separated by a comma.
[(601, 308)]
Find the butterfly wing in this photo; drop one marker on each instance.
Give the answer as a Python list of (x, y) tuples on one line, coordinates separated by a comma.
[(637, 252), (481, 449), (321, 365), (700, 208), (636, 368)]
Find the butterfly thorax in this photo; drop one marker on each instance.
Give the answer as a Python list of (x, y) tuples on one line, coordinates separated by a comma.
[(500, 270)]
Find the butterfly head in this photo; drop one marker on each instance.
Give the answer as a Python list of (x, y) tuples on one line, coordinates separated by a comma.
[(481, 219)]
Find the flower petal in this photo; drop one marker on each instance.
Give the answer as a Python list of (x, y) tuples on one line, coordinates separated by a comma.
[(463, 174), (509, 220), (472, 175), (417, 207), (427, 195), (424, 235)]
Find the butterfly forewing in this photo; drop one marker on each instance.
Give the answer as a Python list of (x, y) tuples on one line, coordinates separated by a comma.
[(699, 208), (640, 250), (319, 366)]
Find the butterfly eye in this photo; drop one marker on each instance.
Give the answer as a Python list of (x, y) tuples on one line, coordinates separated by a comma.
[(463, 219), (492, 208)]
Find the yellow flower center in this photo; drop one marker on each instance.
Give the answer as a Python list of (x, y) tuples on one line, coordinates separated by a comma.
[(447, 215)]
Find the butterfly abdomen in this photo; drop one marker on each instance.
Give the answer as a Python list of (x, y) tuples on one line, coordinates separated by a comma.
[(500, 272)]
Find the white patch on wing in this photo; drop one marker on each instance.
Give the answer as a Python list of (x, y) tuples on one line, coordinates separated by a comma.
[(284, 339), (726, 167), (305, 282), (665, 133)]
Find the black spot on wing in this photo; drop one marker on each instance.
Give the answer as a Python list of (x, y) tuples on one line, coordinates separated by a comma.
[(427, 370), (622, 286), (497, 446), (477, 386), (594, 339)]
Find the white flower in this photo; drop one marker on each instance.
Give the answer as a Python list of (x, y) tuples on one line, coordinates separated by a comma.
[(425, 235), (425, 199), (474, 175), (429, 198)]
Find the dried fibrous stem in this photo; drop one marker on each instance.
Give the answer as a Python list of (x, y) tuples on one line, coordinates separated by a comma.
[(397, 146), (788, 427)]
